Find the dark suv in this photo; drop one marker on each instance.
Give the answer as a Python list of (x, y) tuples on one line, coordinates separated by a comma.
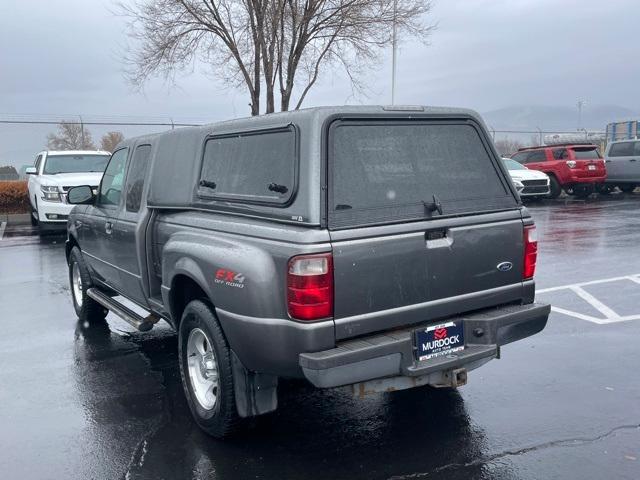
[(373, 248), (579, 169)]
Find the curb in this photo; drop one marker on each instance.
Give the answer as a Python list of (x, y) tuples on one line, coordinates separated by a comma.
[(15, 219)]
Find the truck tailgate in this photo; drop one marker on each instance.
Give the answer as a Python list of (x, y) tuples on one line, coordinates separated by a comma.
[(396, 275)]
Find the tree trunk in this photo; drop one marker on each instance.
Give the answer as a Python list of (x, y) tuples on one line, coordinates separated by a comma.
[(255, 92), (270, 99)]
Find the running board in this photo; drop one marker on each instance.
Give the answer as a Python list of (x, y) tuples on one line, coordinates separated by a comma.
[(143, 324)]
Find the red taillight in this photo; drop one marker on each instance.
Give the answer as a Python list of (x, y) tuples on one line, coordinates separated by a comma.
[(530, 251), (310, 287)]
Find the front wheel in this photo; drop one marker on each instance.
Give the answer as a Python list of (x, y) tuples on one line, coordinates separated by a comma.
[(554, 187), (33, 214), (605, 188), (205, 368), (87, 309)]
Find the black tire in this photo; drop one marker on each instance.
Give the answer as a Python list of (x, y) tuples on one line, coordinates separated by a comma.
[(88, 310), (32, 211), (582, 190), (554, 187), (605, 188), (34, 219), (627, 187), (221, 419)]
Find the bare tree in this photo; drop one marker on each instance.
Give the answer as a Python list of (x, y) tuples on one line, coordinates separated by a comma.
[(281, 45), (507, 146), (110, 141), (70, 136)]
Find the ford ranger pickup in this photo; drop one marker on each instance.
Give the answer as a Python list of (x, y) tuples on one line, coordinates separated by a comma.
[(367, 248)]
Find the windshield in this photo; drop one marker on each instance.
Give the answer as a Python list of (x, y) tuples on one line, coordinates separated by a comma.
[(513, 165), (75, 163), (586, 153)]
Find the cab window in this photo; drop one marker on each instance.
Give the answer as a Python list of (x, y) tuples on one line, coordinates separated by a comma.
[(520, 157), (560, 154), (622, 149), (537, 156), (113, 179), (135, 178)]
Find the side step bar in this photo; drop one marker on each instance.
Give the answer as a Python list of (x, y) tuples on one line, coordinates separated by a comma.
[(143, 324)]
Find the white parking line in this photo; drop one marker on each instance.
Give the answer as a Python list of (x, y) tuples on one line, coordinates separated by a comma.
[(595, 303), (634, 277), (610, 316), (2, 227)]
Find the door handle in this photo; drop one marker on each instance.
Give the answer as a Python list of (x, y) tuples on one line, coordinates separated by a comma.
[(108, 228), (633, 160), (607, 161)]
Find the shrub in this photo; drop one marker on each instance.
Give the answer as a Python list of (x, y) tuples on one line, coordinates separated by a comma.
[(14, 197)]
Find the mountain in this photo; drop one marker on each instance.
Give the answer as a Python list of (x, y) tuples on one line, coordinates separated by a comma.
[(557, 118)]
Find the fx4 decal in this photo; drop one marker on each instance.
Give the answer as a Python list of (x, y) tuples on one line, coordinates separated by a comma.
[(229, 278)]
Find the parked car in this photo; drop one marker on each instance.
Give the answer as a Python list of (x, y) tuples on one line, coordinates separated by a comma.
[(529, 183), (53, 173), (623, 165), (378, 248), (579, 169)]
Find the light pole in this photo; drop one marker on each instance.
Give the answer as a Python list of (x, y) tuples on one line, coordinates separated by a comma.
[(581, 104), (394, 44)]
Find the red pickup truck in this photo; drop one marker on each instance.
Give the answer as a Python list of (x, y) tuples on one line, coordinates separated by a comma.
[(579, 169)]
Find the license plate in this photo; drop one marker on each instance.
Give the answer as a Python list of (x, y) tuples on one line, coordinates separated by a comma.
[(438, 340), (591, 167)]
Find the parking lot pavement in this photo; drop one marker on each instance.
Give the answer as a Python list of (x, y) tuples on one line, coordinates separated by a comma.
[(102, 401)]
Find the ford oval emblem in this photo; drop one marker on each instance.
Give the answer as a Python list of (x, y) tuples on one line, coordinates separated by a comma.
[(504, 266)]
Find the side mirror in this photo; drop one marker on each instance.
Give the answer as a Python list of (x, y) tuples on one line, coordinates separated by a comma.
[(31, 171), (81, 195)]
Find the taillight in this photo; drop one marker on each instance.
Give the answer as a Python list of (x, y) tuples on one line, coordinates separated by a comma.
[(530, 251), (310, 287)]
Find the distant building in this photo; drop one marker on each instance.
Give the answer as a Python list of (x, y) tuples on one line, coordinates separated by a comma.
[(623, 130), (8, 173)]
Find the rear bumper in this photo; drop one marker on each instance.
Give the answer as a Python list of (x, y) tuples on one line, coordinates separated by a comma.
[(574, 179), (391, 354)]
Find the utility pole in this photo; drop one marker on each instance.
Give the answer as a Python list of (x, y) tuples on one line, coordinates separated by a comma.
[(81, 131), (394, 43), (581, 104)]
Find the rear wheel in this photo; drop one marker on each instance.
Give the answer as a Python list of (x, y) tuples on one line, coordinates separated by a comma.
[(605, 188), (87, 309), (554, 187), (627, 187), (582, 191), (205, 368)]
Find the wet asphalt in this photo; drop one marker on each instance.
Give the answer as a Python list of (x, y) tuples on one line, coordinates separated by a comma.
[(105, 402)]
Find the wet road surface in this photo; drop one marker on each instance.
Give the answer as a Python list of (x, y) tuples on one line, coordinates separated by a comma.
[(104, 401)]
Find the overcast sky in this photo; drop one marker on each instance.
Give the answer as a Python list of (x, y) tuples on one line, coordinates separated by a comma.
[(62, 57)]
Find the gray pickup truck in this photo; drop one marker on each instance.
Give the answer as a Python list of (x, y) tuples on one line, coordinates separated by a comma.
[(370, 248)]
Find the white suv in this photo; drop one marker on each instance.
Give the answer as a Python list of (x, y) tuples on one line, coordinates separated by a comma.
[(52, 176)]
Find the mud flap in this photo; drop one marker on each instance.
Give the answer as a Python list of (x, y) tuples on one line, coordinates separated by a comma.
[(256, 393)]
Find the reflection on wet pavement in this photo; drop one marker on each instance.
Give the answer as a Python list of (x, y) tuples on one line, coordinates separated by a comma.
[(101, 401)]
